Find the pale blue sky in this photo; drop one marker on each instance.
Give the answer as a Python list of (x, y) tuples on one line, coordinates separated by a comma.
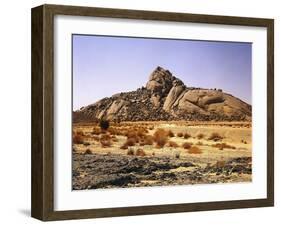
[(104, 65)]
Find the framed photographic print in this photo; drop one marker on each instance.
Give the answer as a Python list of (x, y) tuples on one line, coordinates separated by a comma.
[(141, 112)]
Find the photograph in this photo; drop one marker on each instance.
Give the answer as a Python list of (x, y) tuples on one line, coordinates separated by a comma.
[(160, 112)]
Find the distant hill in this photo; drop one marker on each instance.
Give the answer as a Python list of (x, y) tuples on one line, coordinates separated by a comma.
[(166, 97)]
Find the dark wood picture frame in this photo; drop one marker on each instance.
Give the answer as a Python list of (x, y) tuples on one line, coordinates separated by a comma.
[(42, 203)]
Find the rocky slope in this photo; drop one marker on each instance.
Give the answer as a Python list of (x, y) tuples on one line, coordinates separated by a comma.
[(166, 97)]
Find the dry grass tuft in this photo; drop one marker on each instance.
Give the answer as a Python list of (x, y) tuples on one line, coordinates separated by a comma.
[(215, 137), (77, 139), (220, 164), (105, 143), (140, 152), (160, 137), (195, 150), (130, 152), (221, 146), (130, 142), (200, 136), (170, 133), (147, 140), (88, 152), (124, 146), (186, 136), (186, 145), (172, 144), (180, 134)]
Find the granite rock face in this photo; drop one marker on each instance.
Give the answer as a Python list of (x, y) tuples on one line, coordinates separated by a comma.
[(166, 97)]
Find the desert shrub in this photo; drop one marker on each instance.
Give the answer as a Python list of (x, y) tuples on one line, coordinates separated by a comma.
[(104, 124), (200, 136), (186, 145), (130, 152), (86, 143), (220, 164), (96, 131), (215, 137), (221, 146), (105, 143), (170, 133), (180, 134), (151, 127), (130, 142), (96, 138), (77, 139), (199, 143), (148, 140), (172, 144), (177, 155), (194, 150), (124, 146), (133, 135), (114, 139), (160, 137), (186, 136), (88, 152), (79, 132), (140, 152)]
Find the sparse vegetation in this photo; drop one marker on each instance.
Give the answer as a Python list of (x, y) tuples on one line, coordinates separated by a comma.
[(88, 152), (200, 136), (140, 152), (194, 150), (86, 143), (215, 137), (180, 134), (172, 144), (221, 146), (160, 137), (77, 139), (170, 133), (186, 145), (186, 136), (130, 152)]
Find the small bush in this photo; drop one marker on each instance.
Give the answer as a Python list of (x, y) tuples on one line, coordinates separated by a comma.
[(200, 136), (194, 150), (86, 143), (130, 152), (105, 143), (104, 124), (186, 145), (186, 136), (220, 164), (124, 146), (215, 137), (96, 131), (77, 139), (180, 134), (114, 139), (140, 152), (221, 146), (88, 152), (160, 137), (170, 133), (172, 144), (130, 142)]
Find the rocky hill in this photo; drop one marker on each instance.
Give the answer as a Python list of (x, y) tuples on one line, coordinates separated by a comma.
[(166, 97)]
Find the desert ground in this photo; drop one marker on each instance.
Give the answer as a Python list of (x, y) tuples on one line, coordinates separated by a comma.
[(139, 154)]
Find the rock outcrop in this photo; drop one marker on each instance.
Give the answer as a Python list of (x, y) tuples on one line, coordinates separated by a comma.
[(166, 97)]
